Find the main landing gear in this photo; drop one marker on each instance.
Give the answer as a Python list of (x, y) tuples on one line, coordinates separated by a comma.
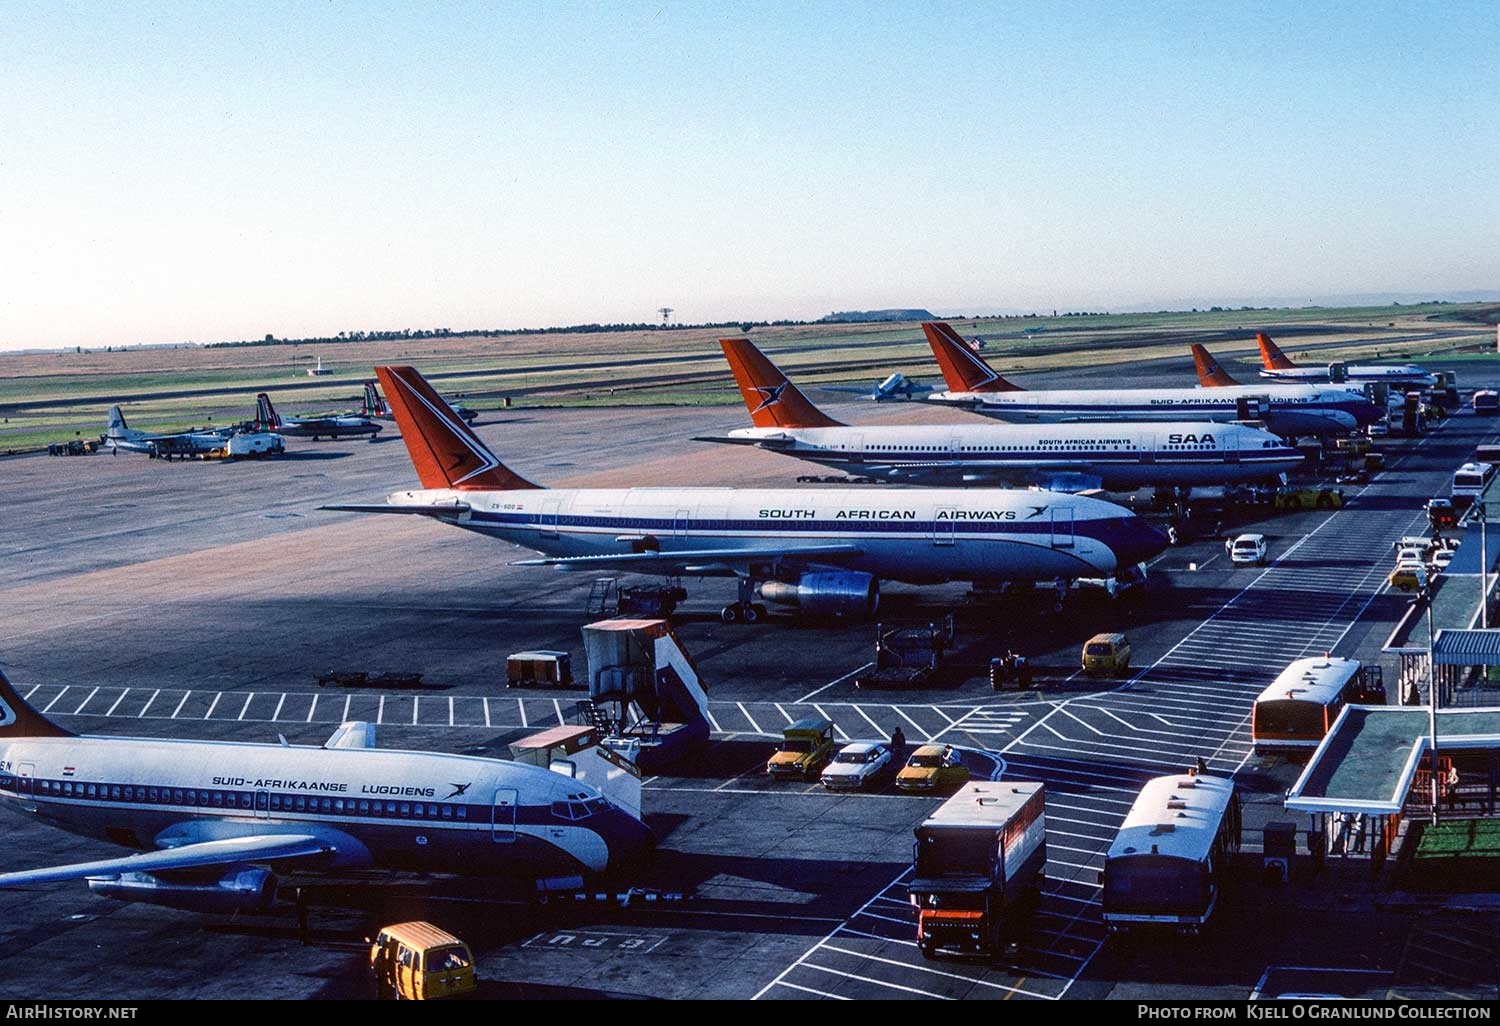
[(746, 610)]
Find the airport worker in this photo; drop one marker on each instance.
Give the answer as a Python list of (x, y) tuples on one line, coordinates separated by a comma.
[(1450, 784), (898, 746)]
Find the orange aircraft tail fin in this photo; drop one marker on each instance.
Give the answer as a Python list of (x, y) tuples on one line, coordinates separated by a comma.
[(446, 451), (1271, 356), (963, 369), (1210, 374), (773, 401)]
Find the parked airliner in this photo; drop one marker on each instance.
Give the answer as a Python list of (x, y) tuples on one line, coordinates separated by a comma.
[(337, 426), (1065, 457), (1276, 365), (824, 550), (1288, 410), (120, 436), (207, 818)]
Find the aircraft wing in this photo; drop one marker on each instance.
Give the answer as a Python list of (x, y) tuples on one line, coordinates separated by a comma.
[(453, 509), (660, 562), (762, 443), (226, 852)]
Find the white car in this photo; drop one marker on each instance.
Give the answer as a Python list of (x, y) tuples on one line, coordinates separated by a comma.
[(1247, 549), (1440, 560), (856, 765)]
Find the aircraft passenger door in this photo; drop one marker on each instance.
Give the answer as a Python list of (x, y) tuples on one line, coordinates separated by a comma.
[(681, 520), (503, 829), (1062, 527), (1148, 446), (26, 785), (1231, 449), (549, 518), (942, 527)]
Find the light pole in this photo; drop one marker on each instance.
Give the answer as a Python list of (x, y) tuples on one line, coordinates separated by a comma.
[(1431, 703), (1484, 571)]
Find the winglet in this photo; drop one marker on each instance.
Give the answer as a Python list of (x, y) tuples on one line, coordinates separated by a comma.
[(773, 401), (963, 369), (17, 719), (446, 451), (1210, 374), (1271, 356)]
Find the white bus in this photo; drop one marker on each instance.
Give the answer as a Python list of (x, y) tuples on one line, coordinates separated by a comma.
[(1469, 481), (1166, 864), (1296, 710)]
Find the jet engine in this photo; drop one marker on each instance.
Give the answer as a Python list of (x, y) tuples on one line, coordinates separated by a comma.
[(241, 889), (844, 595)]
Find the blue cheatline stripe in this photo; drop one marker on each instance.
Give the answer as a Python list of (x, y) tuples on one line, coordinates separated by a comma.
[(780, 525)]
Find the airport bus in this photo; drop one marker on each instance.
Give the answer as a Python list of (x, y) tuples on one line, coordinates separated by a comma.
[(1296, 710), (1470, 480), (1166, 864)]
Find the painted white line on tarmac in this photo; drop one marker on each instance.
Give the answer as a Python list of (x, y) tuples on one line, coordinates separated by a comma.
[(311, 708), (112, 708), (246, 707), (753, 724), (55, 698), (852, 673), (213, 705)]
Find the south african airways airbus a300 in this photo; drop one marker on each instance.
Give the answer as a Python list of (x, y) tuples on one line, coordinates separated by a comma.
[(1116, 455), (822, 549)]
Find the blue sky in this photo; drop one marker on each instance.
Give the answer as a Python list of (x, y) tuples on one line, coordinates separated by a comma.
[(191, 171)]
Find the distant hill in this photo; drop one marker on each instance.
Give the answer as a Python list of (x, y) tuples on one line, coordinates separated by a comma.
[(858, 316)]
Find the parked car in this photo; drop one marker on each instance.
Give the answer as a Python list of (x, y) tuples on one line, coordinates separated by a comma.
[(932, 767), (1440, 559), (856, 766), (1410, 575), (1246, 549)]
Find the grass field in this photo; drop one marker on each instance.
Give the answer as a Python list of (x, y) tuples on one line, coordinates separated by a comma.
[(58, 396)]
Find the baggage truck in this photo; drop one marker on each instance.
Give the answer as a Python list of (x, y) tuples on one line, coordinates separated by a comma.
[(978, 867)]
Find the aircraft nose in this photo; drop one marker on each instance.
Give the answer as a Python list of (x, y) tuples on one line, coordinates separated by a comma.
[(629, 840), (1135, 541)]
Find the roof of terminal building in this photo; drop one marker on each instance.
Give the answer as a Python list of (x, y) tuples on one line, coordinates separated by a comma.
[(1467, 648), (1367, 761)]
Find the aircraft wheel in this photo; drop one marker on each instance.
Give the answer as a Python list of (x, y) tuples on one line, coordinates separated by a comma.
[(730, 613), (750, 613), (760, 613)]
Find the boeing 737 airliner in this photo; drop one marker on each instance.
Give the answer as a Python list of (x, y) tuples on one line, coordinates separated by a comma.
[(207, 817), (1066, 457), (822, 549), (1288, 410)]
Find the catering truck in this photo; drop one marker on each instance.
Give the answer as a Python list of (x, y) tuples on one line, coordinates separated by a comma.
[(978, 867)]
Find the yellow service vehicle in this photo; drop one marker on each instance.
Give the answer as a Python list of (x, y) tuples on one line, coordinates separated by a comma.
[(805, 747), (933, 767), (1106, 653), (420, 962)]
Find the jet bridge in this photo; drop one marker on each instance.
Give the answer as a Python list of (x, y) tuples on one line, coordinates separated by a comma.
[(645, 693)]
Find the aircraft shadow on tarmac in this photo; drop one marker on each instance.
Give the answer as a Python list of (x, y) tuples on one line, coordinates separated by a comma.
[(303, 456)]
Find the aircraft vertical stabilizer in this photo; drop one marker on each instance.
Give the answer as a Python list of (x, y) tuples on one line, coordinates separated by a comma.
[(17, 719), (446, 451), (1210, 373), (772, 400), (963, 369), (1271, 355)]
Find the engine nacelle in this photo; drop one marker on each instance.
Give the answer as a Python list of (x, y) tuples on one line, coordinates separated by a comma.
[(244, 889), (845, 595)]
